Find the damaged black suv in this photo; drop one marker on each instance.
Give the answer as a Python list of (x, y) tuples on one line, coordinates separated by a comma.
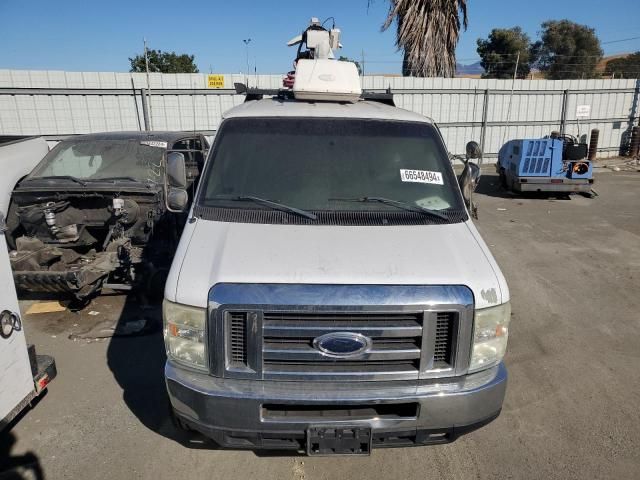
[(103, 210)]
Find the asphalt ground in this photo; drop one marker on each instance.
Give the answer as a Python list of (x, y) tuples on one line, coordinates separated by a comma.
[(572, 408)]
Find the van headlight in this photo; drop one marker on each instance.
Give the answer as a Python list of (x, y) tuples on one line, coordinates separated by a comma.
[(184, 334), (490, 334)]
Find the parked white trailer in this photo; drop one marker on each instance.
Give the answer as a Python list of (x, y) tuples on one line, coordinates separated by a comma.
[(23, 374), (18, 156)]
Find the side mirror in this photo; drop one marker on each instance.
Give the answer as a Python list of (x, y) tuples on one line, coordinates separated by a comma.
[(177, 199), (470, 176), (176, 170), (473, 150)]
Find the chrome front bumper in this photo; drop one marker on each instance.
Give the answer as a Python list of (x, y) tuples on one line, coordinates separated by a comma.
[(231, 411)]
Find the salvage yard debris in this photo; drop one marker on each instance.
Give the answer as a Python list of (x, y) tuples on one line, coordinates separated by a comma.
[(46, 307)]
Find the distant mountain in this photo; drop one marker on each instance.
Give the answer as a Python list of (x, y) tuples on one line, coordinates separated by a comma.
[(473, 69)]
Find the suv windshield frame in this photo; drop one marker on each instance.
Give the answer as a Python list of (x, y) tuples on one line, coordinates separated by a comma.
[(153, 171), (455, 209)]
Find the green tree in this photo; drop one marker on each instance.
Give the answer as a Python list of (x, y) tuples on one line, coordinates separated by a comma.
[(499, 53), (568, 50), (347, 59), (428, 32), (624, 67), (164, 62)]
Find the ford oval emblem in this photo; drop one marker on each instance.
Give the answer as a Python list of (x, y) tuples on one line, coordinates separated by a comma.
[(342, 344)]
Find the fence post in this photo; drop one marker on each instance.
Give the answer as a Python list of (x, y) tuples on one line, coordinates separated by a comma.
[(593, 144), (485, 113), (635, 142), (563, 119), (145, 108)]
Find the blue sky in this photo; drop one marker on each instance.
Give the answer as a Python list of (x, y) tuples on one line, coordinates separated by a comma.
[(77, 35)]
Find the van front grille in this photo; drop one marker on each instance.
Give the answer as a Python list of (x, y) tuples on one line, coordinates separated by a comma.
[(396, 351), (339, 333)]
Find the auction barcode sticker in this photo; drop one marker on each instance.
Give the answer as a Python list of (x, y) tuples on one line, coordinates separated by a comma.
[(421, 176), (154, 143)]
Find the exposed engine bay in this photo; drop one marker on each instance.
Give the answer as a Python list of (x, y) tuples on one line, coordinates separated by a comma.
[(93, 214), (79, 241)]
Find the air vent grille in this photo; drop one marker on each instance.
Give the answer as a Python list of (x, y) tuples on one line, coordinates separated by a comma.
[(442, 354), (237, 339)]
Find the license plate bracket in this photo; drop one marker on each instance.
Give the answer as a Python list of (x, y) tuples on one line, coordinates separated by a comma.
[(338, 440)]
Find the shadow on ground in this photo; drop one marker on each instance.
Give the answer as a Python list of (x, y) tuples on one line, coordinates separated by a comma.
[(136, 361), (17, 467), (489, 185), (132, 326)]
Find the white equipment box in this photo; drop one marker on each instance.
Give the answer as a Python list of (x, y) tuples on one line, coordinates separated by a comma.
[(327, 80)]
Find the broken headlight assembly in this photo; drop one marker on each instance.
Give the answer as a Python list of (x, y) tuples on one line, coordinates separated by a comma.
[(185, 334), (490, 334)]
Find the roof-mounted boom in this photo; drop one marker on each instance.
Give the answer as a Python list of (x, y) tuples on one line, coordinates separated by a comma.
[(320, 42), (318, 75)]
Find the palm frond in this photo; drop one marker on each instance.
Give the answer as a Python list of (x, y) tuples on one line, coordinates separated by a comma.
[(428, 32)]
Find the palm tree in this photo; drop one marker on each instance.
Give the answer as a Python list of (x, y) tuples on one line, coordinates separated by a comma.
[(428, 32)]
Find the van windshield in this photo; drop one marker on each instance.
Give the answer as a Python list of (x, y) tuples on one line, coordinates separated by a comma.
[(329, 164)]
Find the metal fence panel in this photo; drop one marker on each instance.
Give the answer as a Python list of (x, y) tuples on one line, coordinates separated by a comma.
[(57, 104)]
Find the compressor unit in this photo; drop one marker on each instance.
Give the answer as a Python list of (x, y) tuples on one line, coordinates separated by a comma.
[(551, 164)]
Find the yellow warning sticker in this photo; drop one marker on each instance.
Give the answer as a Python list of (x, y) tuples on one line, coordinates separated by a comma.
[(215, 81)]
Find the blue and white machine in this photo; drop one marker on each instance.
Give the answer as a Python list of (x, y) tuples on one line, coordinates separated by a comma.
[(545, 165)]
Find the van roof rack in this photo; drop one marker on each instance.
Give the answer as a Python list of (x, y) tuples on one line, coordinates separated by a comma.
[(260, 93), (287, 94)]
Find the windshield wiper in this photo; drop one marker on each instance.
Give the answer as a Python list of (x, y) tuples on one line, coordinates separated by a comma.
[(58, 177), (395, 203), (114, 179), (268, 203)]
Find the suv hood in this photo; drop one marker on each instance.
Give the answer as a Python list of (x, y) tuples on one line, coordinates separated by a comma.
[(217, 252)]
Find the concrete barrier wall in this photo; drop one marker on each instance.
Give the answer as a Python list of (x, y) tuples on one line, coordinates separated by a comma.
[(57, 104)]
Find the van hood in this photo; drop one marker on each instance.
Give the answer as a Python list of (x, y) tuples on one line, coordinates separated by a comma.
[(218, 252)]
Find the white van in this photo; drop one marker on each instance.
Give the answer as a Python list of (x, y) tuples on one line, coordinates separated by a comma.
[(330, 292)]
